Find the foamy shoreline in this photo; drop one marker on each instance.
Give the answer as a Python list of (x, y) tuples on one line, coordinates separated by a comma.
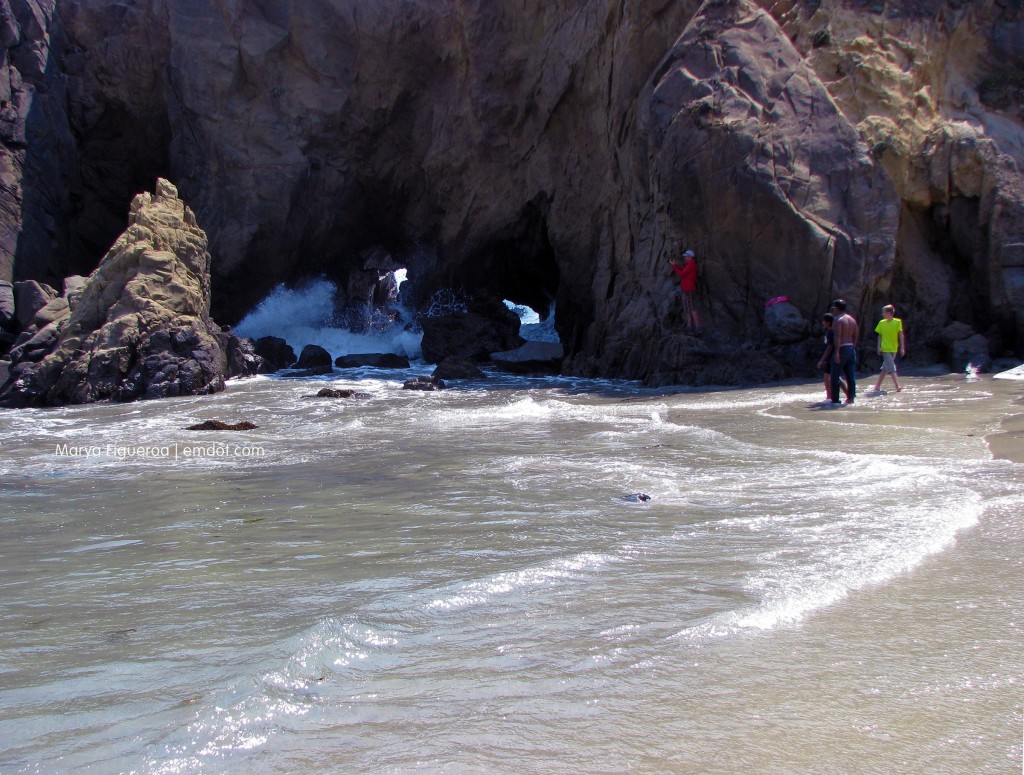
[(1008, 442)]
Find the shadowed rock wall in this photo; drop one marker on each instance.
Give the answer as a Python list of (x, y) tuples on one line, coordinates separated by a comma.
[(531, 151)]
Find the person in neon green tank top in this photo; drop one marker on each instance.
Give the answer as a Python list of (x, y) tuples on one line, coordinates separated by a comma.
[(890, 342)]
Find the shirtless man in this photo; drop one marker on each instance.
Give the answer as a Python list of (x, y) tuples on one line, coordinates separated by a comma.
[(844, 362)]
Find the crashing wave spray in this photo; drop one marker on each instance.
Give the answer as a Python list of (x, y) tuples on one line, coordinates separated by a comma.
[(306, 315)]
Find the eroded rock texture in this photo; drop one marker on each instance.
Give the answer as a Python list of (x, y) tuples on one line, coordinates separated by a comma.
[(541, 152), (140, 327)]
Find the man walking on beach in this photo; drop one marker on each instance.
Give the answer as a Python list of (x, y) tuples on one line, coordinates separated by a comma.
[(844, 362), (687, 273)]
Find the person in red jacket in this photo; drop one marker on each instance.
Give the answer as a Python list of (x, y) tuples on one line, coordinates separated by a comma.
[(687, 273)]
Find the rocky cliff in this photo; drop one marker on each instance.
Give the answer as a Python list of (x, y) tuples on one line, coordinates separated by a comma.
[(540, 153)]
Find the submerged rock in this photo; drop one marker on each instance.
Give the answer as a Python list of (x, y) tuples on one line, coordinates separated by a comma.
[(637, 497), (424, 383), (373, 360), (339, 393), (220, 425)]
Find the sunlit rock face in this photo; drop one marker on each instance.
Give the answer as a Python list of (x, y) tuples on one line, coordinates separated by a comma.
[(140, 327), (539, 154)]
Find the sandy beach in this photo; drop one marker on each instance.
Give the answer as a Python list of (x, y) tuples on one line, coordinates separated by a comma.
[(1008, 442)]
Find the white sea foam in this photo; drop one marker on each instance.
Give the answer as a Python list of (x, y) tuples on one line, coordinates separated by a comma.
[(480, 592), (828, 555), (306, 316)]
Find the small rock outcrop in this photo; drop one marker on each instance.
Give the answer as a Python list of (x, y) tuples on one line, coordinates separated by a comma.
[(220, 425), (140, 327), (8, 322), (240, 353), (424, 383), (339, 393)]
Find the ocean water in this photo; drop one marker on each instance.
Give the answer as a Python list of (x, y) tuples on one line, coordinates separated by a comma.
[(464, 581)]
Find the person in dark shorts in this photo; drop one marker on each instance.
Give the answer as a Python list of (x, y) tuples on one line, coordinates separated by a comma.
[(825, 362)]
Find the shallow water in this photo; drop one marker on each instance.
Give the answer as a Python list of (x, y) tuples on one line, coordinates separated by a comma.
[(455, 582)]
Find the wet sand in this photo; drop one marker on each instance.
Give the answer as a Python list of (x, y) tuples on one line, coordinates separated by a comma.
[(1008, 442)]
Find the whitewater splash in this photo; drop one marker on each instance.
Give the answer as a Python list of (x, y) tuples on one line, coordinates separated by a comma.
[(306, 315)]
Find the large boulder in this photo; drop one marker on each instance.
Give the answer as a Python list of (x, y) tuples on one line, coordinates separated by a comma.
[(971, 354), (784, 323), (756, 166), (531, 358), (141, 326), (373, 360), (29, 298), (73, 287), (54, 310), (276, 354), (314, 360), (36, 343), (487, 326)]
